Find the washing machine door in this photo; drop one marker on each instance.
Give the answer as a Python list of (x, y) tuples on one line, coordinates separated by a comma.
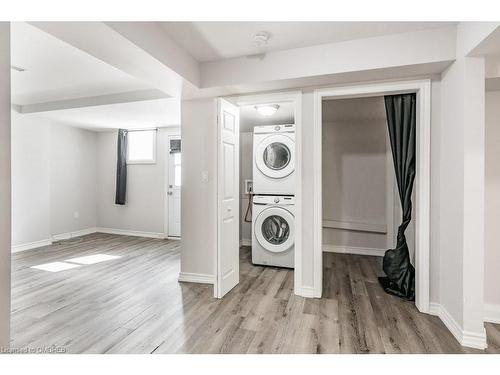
[(274, 156), (275, 229)]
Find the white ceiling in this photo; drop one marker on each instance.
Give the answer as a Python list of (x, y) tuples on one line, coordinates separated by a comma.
[(57, 71), (207, 41), (134, 115), (249, 117)]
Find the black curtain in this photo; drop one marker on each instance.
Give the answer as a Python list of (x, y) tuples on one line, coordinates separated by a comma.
[(121, 167), (401, 121)]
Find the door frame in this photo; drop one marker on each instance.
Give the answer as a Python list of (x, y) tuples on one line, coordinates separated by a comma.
[(422, 179), (165, 138), (294, 96)]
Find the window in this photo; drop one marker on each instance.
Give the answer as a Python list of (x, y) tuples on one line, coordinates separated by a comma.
[(175, 161), (141, 147), (177, 169)]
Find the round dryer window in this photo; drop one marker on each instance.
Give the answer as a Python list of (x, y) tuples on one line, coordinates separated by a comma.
[(274, 156), (274, 229)]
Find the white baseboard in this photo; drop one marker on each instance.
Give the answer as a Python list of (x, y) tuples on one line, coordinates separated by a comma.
[(196, 278), (465, 338), (354, 250), (31, 245), (125, 232), (305, 291), (245, 242), (78, 233), (492, 313)]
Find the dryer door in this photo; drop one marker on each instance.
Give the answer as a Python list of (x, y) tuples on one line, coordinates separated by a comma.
[(274, 156), (275, 229)]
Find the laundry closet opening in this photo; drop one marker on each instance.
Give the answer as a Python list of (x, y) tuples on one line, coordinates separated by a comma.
[(265, 247), (267, 184), (361, 209)]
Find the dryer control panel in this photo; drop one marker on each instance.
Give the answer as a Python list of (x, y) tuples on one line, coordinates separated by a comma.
[(280, 200)]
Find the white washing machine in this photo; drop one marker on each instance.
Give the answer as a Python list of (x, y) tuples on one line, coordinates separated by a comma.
[(273, 230), (274, 159)]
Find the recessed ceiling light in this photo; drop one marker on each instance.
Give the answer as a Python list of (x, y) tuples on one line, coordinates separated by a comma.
[(267, 110), (17, 68)]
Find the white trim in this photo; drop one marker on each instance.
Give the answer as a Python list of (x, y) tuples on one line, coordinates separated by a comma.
[(354, 250), (277, 97), (245, 242), (305, 291), (200, 278), (78, 233), (135, 233), (422, 181), (31, 245), (351, 225), (167, 135), (465, 338), (492, 313)]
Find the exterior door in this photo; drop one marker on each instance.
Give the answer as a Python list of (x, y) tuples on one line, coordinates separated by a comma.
[(228, 266), (174, 187)]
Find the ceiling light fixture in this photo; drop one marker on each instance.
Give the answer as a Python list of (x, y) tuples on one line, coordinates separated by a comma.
[(17, 68), (267, 110)]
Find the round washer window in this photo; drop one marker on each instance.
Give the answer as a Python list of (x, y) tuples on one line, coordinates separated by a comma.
[(276, 155), (275, 229)]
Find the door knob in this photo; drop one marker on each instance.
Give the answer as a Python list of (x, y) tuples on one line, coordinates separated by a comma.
[(169, 193)]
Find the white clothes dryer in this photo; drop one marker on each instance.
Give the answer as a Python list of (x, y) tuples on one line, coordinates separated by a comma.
[(274, 159)]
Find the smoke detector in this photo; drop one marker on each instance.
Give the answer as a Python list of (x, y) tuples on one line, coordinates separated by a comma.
[(261, 38)]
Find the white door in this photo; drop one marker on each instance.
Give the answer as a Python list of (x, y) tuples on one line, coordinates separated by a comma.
[(228, 266), (174, 187)]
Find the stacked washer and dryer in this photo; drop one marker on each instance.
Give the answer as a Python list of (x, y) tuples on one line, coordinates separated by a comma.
[(273, 218)]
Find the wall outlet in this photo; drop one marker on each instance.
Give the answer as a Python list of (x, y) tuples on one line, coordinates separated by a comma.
[(76, 215)]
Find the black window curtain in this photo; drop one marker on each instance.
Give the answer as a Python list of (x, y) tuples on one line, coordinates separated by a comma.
[(401, 121), (121, 167)]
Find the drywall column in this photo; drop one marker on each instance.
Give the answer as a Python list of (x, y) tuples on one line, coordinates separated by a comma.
[(199, 190), (462, 198), (492, 216), (5, 190), (474, 154)]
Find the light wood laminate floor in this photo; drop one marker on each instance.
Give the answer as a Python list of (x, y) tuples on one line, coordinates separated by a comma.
[(134, 304)]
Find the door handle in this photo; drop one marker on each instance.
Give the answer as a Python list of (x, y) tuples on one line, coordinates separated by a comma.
[(169, 193)]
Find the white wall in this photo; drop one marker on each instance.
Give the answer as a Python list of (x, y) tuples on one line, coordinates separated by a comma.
[(30, 179), (246, 173), (461, 193), (354, 173), (144, 209), (199, 198), (53, 176), (492, 201), (73, 179), (5, 189)]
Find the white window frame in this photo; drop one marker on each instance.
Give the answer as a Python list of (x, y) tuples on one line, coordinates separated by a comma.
[(144, 161)]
